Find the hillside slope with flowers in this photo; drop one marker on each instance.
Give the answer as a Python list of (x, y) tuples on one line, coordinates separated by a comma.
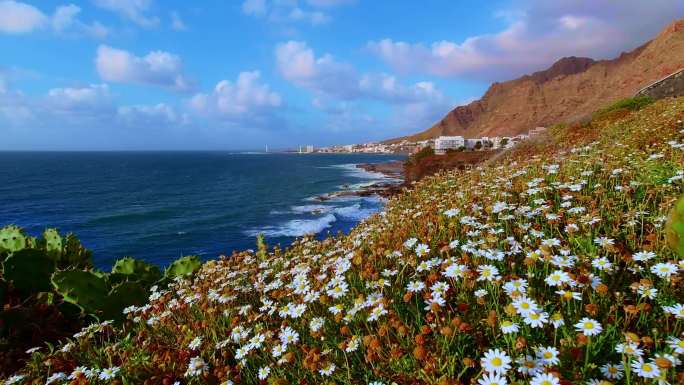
[(546, 266)]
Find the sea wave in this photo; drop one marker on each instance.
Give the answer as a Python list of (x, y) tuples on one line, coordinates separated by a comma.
[(312, 209), (296, 227), (351, 169), (355, 212)]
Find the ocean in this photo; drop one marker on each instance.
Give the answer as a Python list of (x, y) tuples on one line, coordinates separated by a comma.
[(158, 206)]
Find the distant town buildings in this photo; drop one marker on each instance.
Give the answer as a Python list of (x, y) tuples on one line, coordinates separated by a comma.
[(308, 149), (441, 144), (446, 143)]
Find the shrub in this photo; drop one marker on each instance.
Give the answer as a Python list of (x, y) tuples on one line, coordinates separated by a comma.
[(629, 104)]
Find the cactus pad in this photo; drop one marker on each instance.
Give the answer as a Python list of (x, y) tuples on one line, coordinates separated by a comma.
[(183, 267), (121, 297), (136, 270), (53, 243), (83, 288), (12, 238), (29, 270)]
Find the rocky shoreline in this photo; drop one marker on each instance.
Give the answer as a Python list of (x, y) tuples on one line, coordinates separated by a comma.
[(393, 170)]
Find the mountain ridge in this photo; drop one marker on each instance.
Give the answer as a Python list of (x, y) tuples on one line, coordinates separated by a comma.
[(569, 90)]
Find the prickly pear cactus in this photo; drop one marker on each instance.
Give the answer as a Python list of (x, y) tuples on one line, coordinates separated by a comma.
[(675, 227), (53, 243), (12, 238), (122, 296), (29, 270), (183, 267), (75, 255), (136, 270), (83, 288)]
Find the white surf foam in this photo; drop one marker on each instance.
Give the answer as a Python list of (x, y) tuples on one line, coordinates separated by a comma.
[(355, 212), (296, 227)]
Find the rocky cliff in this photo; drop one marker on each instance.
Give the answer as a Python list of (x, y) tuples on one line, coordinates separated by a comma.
[(568, 91)]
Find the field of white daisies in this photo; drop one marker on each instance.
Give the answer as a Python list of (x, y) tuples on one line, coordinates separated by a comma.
[(547, 266)]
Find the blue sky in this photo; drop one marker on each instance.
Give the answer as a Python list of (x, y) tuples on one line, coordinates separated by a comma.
[(153, 74)]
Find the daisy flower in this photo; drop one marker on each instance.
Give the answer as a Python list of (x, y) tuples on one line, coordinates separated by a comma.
[(603, 241), (557, 278), (527, 365), (643, 256), (264, 372), (612, 371), (645, 369), (536, 319), (508, 327), (422, 249), (195, 343), (664, 270), (328, 370), (492, 379), (544, 379), (496, 361), (524, 306), (548, 355), (588, 326), (14, 379), (415, 286), (677, 344), (676, 310), (196, 367), (410, 243), (557, 320), (108, 373), (487, 273), (602, 264)]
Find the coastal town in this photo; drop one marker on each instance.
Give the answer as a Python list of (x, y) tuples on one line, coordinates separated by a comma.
[(441, 145)]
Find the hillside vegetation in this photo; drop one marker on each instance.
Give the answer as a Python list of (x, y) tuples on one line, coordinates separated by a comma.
[(546, 266)]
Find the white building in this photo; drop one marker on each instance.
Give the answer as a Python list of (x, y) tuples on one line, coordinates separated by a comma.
[(472, 144), (445, 143)]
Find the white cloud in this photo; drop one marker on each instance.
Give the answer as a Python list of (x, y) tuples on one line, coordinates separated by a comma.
[(312, 17), (21, 18), (537, 35), (254, 7), (149, 114), (298, 64), (95, 97), (245, 100), (329, 3), (413, 106), (157, 68), (177, 24), (65, 17), (133, 10), (18, 18), (285, 11)]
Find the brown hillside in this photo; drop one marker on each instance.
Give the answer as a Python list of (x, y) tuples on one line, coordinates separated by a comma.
[(567, 91)]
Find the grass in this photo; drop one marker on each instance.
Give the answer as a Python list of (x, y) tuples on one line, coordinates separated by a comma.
[(572, 226)]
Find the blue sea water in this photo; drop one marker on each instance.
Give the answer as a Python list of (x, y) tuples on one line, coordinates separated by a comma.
[(158, 206)]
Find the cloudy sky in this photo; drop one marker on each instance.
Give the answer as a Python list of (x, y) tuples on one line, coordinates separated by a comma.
[(217, 74)]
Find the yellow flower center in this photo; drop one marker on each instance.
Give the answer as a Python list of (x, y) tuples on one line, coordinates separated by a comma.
[(525, 305), (546, 382), (647, 368), (588, 325), (496, 361), (548, 355)]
